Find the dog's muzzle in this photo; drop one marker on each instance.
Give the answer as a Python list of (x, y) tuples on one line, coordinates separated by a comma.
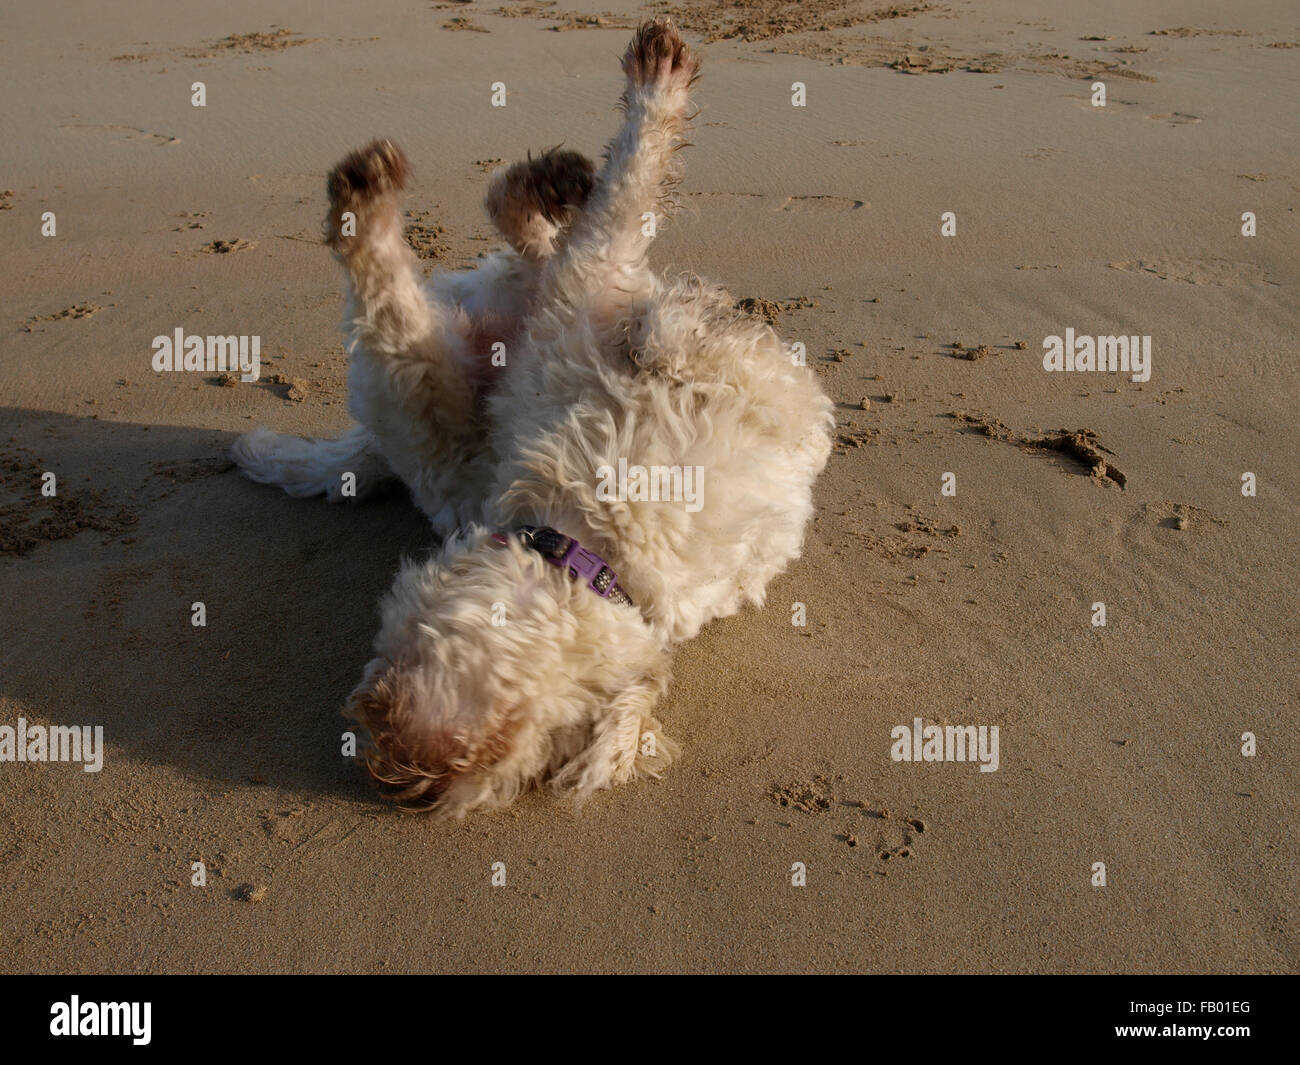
[(567, 554)]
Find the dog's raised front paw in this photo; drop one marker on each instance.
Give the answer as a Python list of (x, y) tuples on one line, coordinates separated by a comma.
[(378, 168), (363, 178), (659, 57)]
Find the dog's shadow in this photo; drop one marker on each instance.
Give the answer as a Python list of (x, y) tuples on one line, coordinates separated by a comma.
[(102, 581)]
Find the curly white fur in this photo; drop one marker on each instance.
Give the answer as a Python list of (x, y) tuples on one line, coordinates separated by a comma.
[(493, 671)]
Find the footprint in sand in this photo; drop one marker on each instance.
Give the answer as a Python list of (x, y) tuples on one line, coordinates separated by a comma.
[(896, 838), (867, 825)]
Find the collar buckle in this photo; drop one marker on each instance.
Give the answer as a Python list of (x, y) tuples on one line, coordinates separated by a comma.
[(568, 554), (589, 568)]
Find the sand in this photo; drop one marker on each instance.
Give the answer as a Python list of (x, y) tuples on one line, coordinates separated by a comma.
[(1119, 744)]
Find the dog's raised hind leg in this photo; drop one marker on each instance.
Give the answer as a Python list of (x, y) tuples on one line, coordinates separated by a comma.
[(390, 318), (411, 373)]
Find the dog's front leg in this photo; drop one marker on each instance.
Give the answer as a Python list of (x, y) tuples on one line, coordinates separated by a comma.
[(626, 741), (605, 253)]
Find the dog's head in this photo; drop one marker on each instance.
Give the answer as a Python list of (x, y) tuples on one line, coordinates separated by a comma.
[(492, 670)]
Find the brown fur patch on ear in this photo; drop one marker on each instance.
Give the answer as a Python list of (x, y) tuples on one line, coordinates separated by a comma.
[(419, 765)]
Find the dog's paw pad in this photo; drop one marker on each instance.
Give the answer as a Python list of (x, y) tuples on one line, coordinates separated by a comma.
[(658, 56), (380, 167)]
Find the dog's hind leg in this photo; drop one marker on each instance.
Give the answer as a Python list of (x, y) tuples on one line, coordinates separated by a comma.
[(391, 317), (348, 468), (531, 202), (604, 255), (389, 307)]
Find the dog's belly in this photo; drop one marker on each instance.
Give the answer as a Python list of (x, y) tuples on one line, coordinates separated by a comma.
[(696, 513), (491, 342)]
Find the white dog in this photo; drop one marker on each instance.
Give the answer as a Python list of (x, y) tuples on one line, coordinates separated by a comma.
[(519, 655)]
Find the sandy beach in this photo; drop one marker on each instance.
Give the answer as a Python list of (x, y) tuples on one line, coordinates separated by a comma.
[(948, 196)]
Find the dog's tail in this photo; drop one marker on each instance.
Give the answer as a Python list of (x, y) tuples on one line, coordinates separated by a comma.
[(347, 468)]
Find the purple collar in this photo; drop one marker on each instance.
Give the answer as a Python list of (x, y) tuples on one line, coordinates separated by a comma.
[(567, 554)]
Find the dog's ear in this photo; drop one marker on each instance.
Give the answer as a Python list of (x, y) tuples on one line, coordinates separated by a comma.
[(417, 756), (410, 756)]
